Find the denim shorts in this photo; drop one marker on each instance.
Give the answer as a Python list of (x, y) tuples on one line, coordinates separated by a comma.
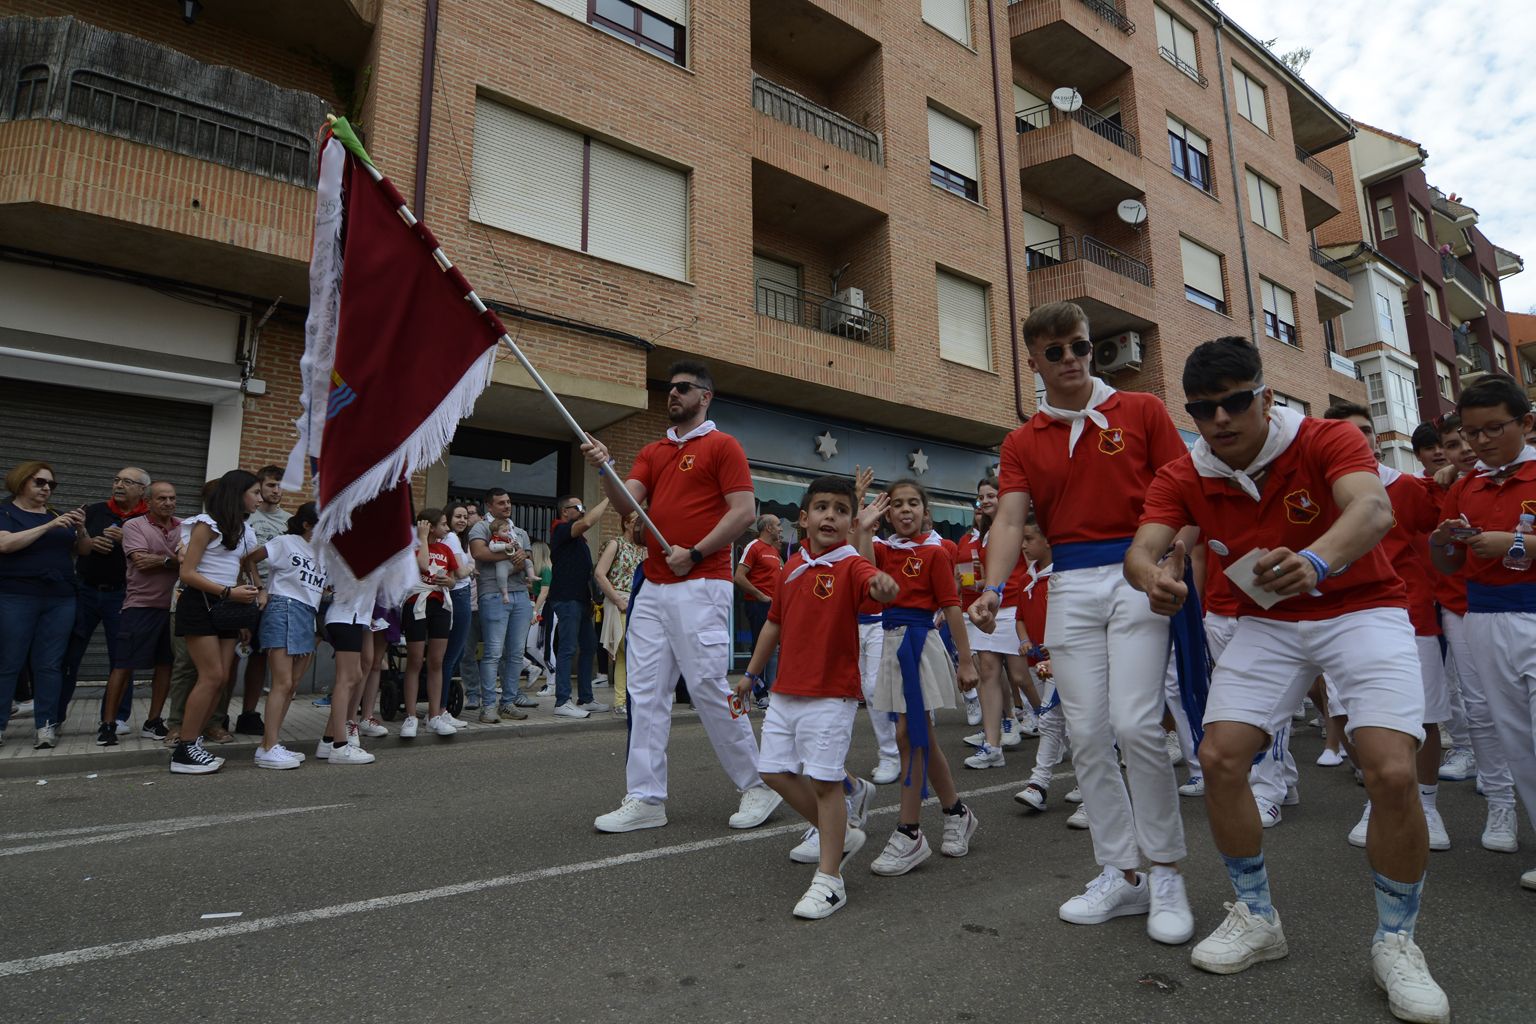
[(287, 625)]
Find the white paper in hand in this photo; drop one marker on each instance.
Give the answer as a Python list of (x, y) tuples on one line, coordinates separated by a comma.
[(1240, 573)]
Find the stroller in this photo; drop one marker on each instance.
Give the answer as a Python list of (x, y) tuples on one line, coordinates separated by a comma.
[(392, 687)]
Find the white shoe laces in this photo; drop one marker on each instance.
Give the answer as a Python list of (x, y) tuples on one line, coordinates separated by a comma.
[(1167, 887), (1406, 961), (1100, 886), (1239, 919), (1501, 819)]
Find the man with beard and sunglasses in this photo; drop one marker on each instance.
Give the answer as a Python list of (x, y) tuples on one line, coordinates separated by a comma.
[(1294, 512), (699, 488)]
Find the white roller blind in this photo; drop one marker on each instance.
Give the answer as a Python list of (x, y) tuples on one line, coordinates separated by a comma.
[(1024, 100), (1264, 203), (952, 17), (672, 10), (780, 298), (965, 334), (1250, 98), (526, 176), (1202, 269), (952, 144), (1038, 230), (575, 8), (1176, 37), (638, 212), (1278, 301), (1193, 139)]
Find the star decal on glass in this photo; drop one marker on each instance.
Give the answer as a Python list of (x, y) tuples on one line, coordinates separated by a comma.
[(918, 461), (826, 446)]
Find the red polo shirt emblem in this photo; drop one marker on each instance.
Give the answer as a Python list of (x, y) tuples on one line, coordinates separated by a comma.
[(1112, 441), (1300, 508), (913, 567), (686, 463), (824, 581)]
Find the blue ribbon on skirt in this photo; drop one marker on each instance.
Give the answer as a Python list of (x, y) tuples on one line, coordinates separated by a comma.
[(910, 657), (1191, 658)]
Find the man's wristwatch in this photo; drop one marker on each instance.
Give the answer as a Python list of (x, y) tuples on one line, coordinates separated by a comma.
[(696, 555), (168, 562)]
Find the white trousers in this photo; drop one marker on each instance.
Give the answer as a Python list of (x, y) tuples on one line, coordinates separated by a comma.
[(1504, 644), (871, 643), (1487, 746), (1175, 704), (1456, 725), (682, 629), (1109, 652), (1052, 749)]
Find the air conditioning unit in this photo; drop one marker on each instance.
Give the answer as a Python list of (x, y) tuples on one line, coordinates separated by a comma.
[(1116, 353), (846, 314)]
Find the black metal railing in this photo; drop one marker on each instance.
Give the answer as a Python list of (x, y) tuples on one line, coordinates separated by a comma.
[(1453, 270), (793, 109), (1110, 13), (1110, 258), (1330, 264), (1314, 163), (1041, 116), (822, 312), (1184, 66), (1050, 254)]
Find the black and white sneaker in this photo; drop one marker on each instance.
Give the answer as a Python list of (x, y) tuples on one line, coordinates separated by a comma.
[(154, 729), (191, 759), (106, 734)]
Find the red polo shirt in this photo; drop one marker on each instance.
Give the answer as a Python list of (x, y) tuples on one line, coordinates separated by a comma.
[(686, 485), (1450, 588), (818, 615), (1492, 506), (925, 574), (763, 568), (1032, 609), (1414, 518)]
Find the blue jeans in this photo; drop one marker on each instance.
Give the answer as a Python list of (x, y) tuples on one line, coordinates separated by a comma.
[(757, 618), (93, 608), (39, 626), (458, 639), (503, 633), (574, 629)]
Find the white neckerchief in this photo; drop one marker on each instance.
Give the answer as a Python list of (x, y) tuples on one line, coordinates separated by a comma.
[(1078, 417), (975, 534), (828, 558), (1388, 474), (1283, 426), (1527, 454), (903, 544), (699, 431), (1036, 577), (933, 537)]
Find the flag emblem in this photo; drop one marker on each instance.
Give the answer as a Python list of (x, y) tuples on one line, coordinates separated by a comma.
[(686, 463), (913, 566), (823, 588), (1112, 441), (341, 396), (1300, 508)]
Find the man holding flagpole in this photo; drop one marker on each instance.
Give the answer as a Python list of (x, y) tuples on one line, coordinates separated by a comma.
[(700, 492)]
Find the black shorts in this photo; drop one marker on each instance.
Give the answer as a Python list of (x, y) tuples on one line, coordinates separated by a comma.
[(437, 624), (143, 639), (346, 637), (194, 615)]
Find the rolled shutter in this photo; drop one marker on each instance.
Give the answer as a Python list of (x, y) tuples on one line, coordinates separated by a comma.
[(952, 17), (526, 176), (776, 288), (638, 212), (1164, 30), (1202, 269), (952, 144), (1184, 41), (574, 8), (1271, 196), (1255, 199), (1038, 230), (673, 10), (1191, 138), (1285, 306), (965, 334)]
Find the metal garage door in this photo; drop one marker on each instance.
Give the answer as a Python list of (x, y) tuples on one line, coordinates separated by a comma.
[(89, 435)]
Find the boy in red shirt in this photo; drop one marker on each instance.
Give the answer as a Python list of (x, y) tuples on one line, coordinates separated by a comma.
[(757, 577), (1486, 537), (816, 696), (1290, 499)]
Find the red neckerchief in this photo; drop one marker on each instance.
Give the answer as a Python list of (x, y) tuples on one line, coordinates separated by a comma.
[(141, 509)]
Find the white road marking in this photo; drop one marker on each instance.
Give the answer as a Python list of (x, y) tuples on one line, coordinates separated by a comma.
[(92, 834), (114, 950)]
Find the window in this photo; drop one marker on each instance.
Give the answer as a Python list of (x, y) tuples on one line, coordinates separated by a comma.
[(1264, 204), (1281, 398), (1501, 354), (1402, 399), (1386, 217), (1279, 311), (1420, 225), (1249, 96), (657, 27), (1443, 379), (965, 330), (1042, 242), (560, 186), (1029, 111), (1189, 154), (952, 17), (1491, 290), (1202, 276), (776, 285), (952, 155), (1176, 44), (1378, 396), (1384, 322), (1432, 302), (1330, 337)]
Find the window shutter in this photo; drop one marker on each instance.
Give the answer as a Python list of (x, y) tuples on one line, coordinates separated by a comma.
[(1164, 30), (1255, 200), (1271, 196), (1185, 40), (1191, 138), (673, 10), (638, 212), (1267, 296), (1038, 231), (781, 298), (952, 17), (574, 8), (1024, 100), (526, 176), (1202, 269), (952, 144), (965, 333), (1285, 306), (1250, 98)]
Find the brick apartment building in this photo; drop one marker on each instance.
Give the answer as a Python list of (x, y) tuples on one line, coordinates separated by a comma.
[(1430, 317), (1522, 329)]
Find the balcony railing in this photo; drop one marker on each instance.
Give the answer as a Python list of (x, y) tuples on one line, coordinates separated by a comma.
[(60, 69), (822, 313), (1330, 264), (1184, 66), (1050, 254), (1472, 356), (1067, 248), (1453, 269), (1040, 117), (1110, 13), (1343, 364), (1314, 163), (795, 110)]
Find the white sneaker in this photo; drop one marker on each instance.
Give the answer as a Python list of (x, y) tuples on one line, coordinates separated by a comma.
[(1011, 735), (633, 814), (901, 854), (455, 721), (1194, 787), (986, 757), (547, 690), (1528, 880), (757, 804), (1175, 749), (280, 749), (1460, 764), (347, 754), (1170, 920), (1031, 796), (1357, 834), (975, 739), (886, 772), (1079, 818), (408, 727), (372, 728), (808, 850), (1439, 838), (1028, 725), (569, 710), (442, 724), (1292, 796), (972, 710), (1499, 832), (47, 738), (1108, 896), (1330, 758), (1400, 971), (1074, 796), (354, 737), (858, 803), (825, 897), (277, 758), (1239, 942), (958, 829), (322, 751), (594, 707), (1269, 813)]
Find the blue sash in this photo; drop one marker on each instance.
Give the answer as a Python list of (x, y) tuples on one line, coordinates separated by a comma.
[(1512, 597), (909, 656), (949, 640), (1191, 659), (1089, 554), (871, 619)]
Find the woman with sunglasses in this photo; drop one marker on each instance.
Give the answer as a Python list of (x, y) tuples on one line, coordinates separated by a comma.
[(37, 592)]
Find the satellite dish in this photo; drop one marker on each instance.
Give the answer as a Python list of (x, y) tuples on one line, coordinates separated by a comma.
[(1066, 99), (1132, 211)]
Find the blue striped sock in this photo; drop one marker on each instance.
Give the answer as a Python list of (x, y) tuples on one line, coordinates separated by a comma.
[(1250, 880), (1397, 905)]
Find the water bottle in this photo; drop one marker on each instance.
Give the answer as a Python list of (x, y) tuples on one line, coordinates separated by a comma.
[(1517, 559)]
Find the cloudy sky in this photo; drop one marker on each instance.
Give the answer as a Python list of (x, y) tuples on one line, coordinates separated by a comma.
[(1446, 73)]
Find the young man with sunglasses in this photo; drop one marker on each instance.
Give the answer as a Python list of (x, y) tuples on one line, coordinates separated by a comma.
[(1083, 464), (699, 488), (1294, 511)]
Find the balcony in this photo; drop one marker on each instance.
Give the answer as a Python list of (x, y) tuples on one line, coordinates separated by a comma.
[(1471, 358), (1113, 288), (822, 313), (337, 30), (789, 107), (1319, 192), (1082, 160), (1507, 263), (1343, 364), (1330, 284), (1464, 292), (1082, 43)]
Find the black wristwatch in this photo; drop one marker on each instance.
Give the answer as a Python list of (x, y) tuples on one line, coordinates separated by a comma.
[(696, 555)]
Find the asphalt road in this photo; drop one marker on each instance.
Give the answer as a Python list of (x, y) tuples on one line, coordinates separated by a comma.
[(465, 883)]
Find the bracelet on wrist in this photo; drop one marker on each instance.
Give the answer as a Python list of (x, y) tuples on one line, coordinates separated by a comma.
[(1318, 565), (753, 677), (998, 590), (224, 594)]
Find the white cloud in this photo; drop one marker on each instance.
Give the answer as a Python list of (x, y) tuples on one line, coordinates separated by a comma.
[(1454, 75)]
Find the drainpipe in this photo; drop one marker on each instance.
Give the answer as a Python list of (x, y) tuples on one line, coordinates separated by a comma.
[(424, 110), (1237, 182), (1002, 175)]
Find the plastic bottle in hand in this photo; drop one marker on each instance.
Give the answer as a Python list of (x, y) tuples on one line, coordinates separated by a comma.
[(1517, 559)]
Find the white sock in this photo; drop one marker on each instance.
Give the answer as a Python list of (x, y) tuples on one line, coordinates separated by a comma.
[(1427, 796)]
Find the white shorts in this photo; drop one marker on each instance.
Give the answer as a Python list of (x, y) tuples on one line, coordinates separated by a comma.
[(1369, 656), (1437, 688), (1004, 638), (807, 736)]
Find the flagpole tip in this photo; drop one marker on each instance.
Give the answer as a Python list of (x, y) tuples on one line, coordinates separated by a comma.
[(330, 118)]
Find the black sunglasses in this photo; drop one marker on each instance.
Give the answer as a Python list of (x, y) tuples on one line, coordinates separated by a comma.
[(1238, 402), (682, 387), (42, 481), (1080, 348)]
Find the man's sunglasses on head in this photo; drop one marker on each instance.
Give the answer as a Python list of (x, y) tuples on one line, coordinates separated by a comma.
[(1055, 353), (1238, 402)]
